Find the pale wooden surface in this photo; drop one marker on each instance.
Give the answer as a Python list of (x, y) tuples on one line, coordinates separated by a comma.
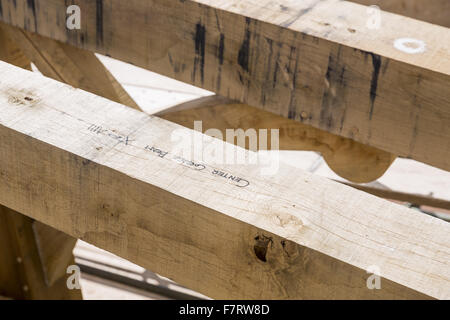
[(197, 228), (349, 159), (288, 57)]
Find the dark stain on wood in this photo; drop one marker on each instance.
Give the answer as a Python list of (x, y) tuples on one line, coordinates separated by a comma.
[(298, 15), (376, 62), (277, 66), (244, 51), (32, 6), (22, 98), (220, 56), (292, 113), (221, 48), (200, 46)]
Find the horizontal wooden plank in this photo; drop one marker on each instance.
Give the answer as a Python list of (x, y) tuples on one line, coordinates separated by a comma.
[(116, 177), (318, 62)]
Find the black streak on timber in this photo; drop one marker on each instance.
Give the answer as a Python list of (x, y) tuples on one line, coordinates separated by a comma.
[(220, 56), (292, 113), (291, 20), (99, 22), (1, 9), (299, 14), (221, 48), (244, 51), (275, 72), (376, 62), (32, 6), (200, 43)]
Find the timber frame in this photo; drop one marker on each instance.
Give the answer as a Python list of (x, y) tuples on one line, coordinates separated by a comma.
[(80, 160)]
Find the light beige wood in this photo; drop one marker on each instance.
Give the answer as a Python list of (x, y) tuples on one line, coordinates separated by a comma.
[(74, 66), (97, 171), (433, 11), (313, 61), (349, 159)]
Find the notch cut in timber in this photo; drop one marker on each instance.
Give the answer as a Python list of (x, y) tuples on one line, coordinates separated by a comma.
[(186, 221), (387, 88)]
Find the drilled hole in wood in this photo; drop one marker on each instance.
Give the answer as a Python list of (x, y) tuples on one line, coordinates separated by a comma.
[(261, 246)]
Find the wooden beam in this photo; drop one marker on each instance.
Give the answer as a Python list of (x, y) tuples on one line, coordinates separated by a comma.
[(433, 11), (313, 61), (116, 178), (349, 159)]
